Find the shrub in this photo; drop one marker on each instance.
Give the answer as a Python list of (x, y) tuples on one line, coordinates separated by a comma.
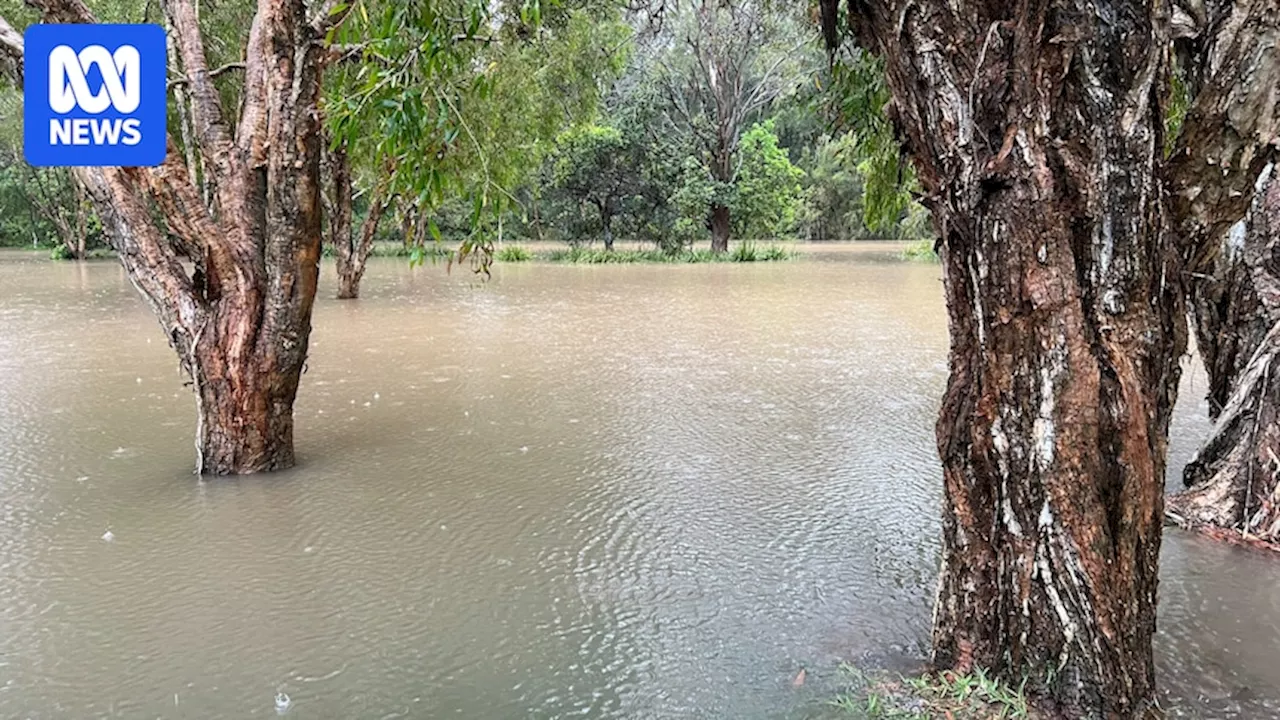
[(514, 253)]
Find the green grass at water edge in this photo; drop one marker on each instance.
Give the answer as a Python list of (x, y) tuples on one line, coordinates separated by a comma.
[(920, 251), (513, 253), (62, 253), (395, 249), (975, 696), (745, 252)]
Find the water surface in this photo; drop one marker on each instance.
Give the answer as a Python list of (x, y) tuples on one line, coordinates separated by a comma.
[(605, 492)]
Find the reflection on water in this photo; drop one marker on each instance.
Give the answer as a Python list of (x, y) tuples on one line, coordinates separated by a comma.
[(642, 492)]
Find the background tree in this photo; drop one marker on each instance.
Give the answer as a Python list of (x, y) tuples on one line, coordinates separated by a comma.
[(1229, 66), (463, 103), (592, 166), (732, 60), (769, 197)]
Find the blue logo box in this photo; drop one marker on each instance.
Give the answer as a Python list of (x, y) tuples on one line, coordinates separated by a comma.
[(94, 95)]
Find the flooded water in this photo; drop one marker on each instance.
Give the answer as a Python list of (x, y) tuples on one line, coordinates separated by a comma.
[(603, 492)]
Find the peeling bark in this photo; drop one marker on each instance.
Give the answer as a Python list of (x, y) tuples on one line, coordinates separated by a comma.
[(1230, 54), (1036, 131), (1234, 480), (241, 320)]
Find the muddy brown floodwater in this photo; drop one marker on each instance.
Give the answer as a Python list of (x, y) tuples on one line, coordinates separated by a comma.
[(602, 492)]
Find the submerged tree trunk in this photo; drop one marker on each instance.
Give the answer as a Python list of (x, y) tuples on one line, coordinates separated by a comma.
[(720, 228), (352, 253), (241, 319), (1036, 130), (1234, 480)]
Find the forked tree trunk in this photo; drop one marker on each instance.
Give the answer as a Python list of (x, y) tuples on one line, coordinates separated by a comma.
[(352, 253), (1234, 480), (1036, 129), (720, 228), (241, 320)]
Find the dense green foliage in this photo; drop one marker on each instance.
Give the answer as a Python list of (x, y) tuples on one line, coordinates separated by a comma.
[(568, 120)]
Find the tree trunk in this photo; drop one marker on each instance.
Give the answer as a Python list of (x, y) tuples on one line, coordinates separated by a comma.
[(1234, 480), (1036, 130), (1228, 320), (240, 320), (1229, 52), (720, 228), (82, 222), (608, 235), (352, 253), (245, 408)]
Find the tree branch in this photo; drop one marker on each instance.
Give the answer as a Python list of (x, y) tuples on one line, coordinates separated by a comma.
[(216, 72), (150, 262), (64, 11), (211, 130), (11, 51), (330, 15)]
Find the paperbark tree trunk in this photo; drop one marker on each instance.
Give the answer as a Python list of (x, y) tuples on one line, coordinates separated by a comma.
[(240, 321), (1036, 131), (1234, 480), (1229, 51), (352, 253)]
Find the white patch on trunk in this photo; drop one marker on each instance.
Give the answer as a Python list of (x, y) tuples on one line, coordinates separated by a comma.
[(977, 301), (1045, 573), (1043, 431), (1108, 245), (1000, 442)]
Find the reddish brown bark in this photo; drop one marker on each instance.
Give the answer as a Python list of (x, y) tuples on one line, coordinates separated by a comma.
[(241, 321), (1036, 131)]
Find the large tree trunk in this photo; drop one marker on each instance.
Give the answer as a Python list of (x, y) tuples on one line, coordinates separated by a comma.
[(352, 253), (241, 320), (1036, 130), (720, 228), (1234, 480)]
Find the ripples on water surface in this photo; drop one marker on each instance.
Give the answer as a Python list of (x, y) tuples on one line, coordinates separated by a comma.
[(641, 492)]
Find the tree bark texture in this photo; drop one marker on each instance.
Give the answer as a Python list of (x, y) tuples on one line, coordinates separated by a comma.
[(1229, 52), (352, 252), (1234, 480), (1036, 130), (240, 321)]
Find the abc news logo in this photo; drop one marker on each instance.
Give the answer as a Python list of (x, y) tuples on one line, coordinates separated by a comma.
[(95, 95), (69, 89)]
